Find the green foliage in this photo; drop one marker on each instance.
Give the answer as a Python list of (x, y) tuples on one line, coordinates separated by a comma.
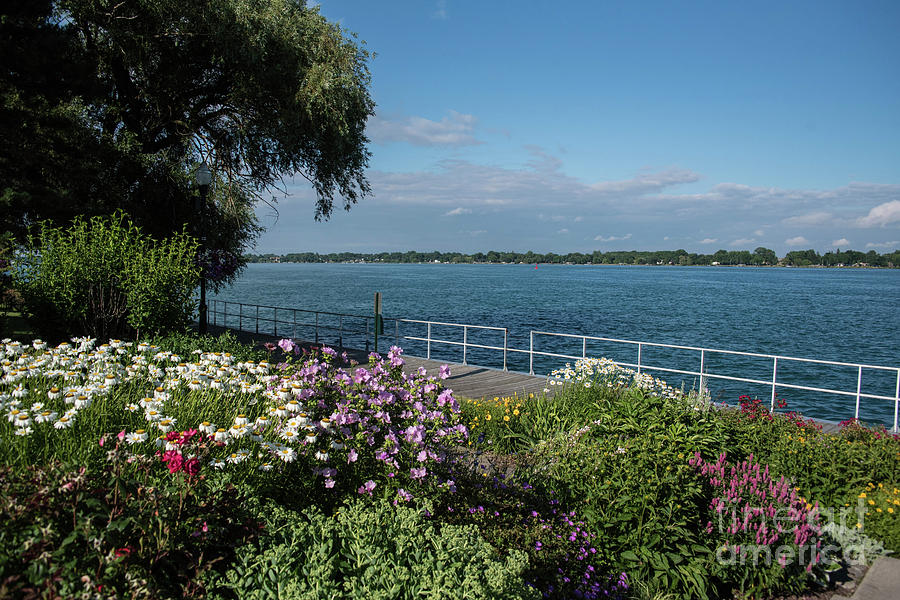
[(628, 477), (187, 343), (106, 278), (369, 550), (123, 527), (109, 106)]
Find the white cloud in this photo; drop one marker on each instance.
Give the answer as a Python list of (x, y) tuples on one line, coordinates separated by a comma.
[(475, 233), (454, 130), (840, 242), (553, 218), (612, 238), (883, 214), (887, 245), (709, 240), (814, 218), (458, 211), (759, 233), (563, 231), (742, 242), (579, 219), (646, 183), (797, 241)]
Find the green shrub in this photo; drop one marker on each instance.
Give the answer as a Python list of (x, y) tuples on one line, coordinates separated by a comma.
[(369, 550), (124, 527), (105, 278)]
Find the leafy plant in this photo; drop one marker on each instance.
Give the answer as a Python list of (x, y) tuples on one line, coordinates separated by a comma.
[(106, 278), (369, 550)]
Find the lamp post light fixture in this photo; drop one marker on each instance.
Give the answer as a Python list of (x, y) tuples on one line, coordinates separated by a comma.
[(203, 178)]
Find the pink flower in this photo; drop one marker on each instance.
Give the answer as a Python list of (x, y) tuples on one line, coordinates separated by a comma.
[(352, 456), (287, 345), (444, 371), (121, 435), (366, 488)]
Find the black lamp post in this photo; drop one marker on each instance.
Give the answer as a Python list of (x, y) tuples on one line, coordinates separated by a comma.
[(203, 178)]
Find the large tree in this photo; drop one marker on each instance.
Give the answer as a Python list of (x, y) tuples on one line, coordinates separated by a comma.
[(108, 104)]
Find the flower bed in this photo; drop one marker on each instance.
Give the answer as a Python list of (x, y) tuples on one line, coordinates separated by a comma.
[(151, 470)]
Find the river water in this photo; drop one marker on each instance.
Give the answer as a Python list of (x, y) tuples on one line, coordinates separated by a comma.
[(848, 315)]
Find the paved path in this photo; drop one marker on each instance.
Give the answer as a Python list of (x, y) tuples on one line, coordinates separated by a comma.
[(881, 582)]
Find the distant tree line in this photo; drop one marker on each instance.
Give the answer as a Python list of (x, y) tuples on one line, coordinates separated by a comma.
[(759, 257)]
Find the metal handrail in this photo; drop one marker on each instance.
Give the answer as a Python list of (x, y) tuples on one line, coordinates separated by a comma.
[(705, 375), (640, 365)]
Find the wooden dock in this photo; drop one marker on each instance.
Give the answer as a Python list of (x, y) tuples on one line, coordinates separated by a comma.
[(466, 381)]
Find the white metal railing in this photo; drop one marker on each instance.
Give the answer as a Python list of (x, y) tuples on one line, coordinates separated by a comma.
[(704, 373), (220, 308)]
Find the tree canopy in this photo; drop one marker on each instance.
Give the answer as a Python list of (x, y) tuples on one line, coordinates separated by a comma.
[(111, 105)]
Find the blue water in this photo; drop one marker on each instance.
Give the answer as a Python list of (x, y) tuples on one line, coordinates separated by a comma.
[(849, 315)]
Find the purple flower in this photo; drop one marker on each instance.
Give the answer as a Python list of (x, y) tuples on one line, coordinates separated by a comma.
[(287, 345), (352, 456), (404, 495), (418, 473), (329, 483), (366, 488), (444, 371)]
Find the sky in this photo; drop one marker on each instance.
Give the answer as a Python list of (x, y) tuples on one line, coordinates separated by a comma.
[(583, 126)]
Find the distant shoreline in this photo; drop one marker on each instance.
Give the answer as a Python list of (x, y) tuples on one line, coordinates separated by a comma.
[(760, 257), (567, 264)]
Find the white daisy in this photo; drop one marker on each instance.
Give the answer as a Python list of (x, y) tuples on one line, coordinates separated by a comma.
[(287, 454), (64, 422), (137, 437)]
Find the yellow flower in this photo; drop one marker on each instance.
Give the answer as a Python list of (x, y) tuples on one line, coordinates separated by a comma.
[(890, 510), (487, 417), (863, 495), (872, 502), (877, 510), (506, 417), (516, 412)]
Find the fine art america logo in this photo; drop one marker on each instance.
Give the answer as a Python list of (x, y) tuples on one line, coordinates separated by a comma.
[(819, 537)]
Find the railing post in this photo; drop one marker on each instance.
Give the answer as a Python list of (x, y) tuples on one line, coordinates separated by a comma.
[(224, 315), (858, 391), (702, 367), (275, 322), (531, 353), (583, 347), (897, 403), (465, 341), (257, 318), (428, 342), (317, 328), (215, 309), (639, 358), (294, 326), (396, 332), (240, 316), (367, 333), (341, 333), (774, 379), (505, 346)]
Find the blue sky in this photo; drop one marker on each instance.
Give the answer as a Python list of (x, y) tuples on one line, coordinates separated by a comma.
[(582, 126)]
